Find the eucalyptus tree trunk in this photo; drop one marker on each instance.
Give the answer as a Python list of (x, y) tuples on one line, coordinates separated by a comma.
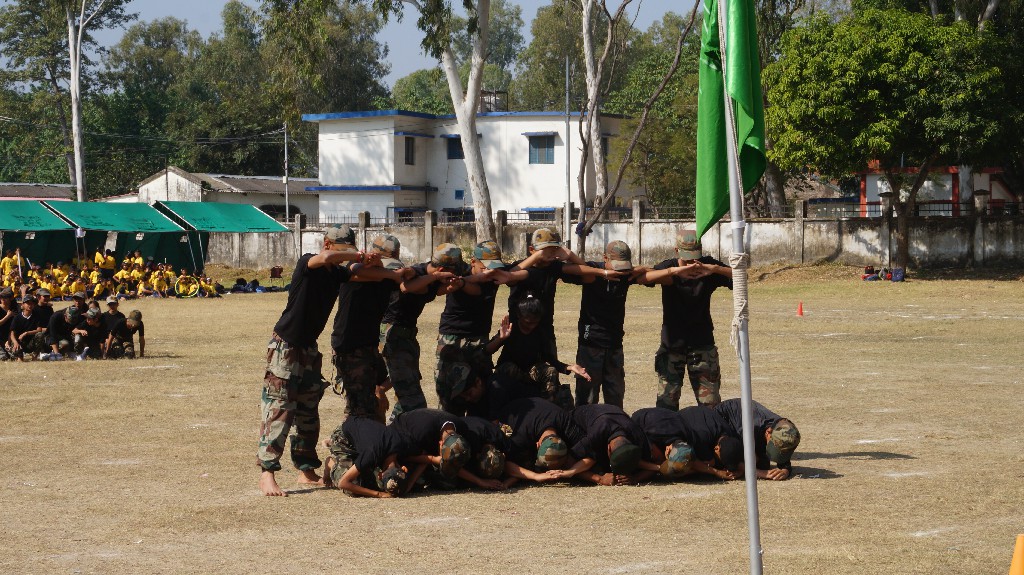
[(75, 89)]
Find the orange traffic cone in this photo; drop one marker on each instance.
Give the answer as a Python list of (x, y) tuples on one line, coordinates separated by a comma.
[(1017, 564), (800, 309)]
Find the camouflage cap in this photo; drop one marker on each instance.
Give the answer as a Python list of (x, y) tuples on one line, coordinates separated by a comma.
[(392, 480), (135, 317), (687, 244), (42, 292), (619, 255), (785, 439), (72, 312), (545, 238), (552, 452), (340, 234), (680, 456), (388, 247), (112, 300), (7, 292), (624, 458), (491, 462), (457, 375), (79, 295), (489, 254), (93, 313), (28, 299), (454, 455), (448, 256)]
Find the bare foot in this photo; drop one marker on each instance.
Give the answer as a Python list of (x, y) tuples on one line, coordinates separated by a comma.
[(329, 464), (309, 477), (269, 486)]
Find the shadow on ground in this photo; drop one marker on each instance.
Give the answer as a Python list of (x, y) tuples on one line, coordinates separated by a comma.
[(884, 455)]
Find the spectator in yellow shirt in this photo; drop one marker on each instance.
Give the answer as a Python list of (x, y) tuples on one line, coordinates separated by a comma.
[(106, 262), (137, 272)]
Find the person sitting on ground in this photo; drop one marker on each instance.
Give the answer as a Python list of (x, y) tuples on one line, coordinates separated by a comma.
[(145, 289), (160, 285), (44, 307), (119, 339), (527, 359), (90, 335), (775, 437), (28, 333), (59, 332), (364, 460)]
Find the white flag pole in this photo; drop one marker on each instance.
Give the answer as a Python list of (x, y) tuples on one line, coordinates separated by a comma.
[(740, 261)]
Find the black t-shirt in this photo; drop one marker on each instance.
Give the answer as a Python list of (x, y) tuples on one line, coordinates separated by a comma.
[(696, 425), (405, 308), (542, 283), (526, 350), (764, 419), (95, 334), (479, 432), (529, 417), (5, 326), (310, 299), (124, 332), (419, 430), (59, 329), (20, 324), (45, 312), (467, 315), (600, 422), (686, 305), (112, 319), (602, 309), (368, 438), (361, 307)]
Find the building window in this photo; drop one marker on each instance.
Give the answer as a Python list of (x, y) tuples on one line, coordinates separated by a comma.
[(455, 149), (460, 194), (542, 149), (410, 151)]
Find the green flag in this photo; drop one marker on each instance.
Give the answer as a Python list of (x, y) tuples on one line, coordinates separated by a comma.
[(744, 78)]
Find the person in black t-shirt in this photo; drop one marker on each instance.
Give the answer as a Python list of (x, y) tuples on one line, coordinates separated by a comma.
[(112, 316), (432, 437), (364, 460), (775, 437), (8, 310), (119, 342), (526, 359), (541, 434), (465, 325), (44, 306), (612, 449), (362, 303), (602, 315), (91, 336), (687, 332), (293, 384), (28, 333), (398, 330), (59, 332), (717, 450)]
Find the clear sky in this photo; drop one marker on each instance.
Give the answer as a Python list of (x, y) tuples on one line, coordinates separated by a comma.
[(403, 39)]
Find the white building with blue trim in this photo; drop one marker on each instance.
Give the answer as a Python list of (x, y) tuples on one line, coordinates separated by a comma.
[(393, 163)]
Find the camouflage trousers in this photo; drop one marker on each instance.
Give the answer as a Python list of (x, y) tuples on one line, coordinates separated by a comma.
[(541, 380), (672, 362), (454, 348), (31, 345), (360, 371), (121, 348), (607, 373), (402, 357), (95, 347), (292, 389)]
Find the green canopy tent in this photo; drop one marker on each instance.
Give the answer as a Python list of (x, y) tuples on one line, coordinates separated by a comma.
[(207, 217), (138, 226), (41, 235)]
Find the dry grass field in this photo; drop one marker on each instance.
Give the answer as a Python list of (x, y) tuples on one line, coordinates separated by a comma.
[(908, 396)]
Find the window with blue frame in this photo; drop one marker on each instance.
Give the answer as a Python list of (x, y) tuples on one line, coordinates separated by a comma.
[(542, 149), (455, 149), (460, 194)]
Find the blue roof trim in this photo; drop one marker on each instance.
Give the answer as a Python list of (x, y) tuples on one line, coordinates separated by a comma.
[(530, 134), (364, 114), (363, 188), (414, 135), (458, 136), (382, 113), (542, 210)]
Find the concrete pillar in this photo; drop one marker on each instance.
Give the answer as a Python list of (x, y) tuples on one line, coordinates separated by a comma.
[(429, 222), (885, 230), (799, 212), (635, 236), (981, 198), (500, 221), (364, 222)]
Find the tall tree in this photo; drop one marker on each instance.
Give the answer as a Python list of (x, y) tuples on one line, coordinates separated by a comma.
[(423, 91), (540, 70), (890, 87)]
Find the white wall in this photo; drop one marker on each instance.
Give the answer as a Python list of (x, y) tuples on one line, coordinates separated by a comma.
[(170, 187), (306, 203), (342, 203), (357, 151)]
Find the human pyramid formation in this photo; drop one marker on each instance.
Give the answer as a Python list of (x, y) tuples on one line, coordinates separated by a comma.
[(510, 420), (98, 278)]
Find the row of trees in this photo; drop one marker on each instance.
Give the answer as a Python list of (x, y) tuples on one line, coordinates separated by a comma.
[(899, 82)]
